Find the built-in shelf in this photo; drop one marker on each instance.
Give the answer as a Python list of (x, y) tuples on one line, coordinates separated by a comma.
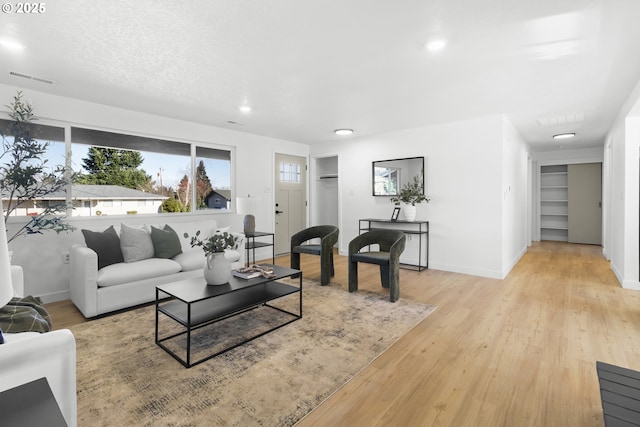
[(328, 176), (554, 191)]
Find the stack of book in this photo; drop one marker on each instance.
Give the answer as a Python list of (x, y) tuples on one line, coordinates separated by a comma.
[(253, 271)]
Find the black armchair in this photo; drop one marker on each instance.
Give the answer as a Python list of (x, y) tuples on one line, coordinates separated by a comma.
[(328, 235), (391, 243)]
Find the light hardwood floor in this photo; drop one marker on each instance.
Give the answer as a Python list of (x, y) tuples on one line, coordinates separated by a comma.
[(513, 352)]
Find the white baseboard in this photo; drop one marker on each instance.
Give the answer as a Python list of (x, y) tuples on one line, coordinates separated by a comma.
[(515, 260), (631, 284), (55, 296), (492, 274), (626, 284), (616, 272)]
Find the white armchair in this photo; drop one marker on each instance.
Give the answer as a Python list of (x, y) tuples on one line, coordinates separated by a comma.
[(28, 356)]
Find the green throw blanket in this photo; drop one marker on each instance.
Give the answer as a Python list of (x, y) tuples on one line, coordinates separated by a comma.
[(24, 315)]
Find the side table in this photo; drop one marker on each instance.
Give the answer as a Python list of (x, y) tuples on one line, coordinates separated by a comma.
[(251, 244)]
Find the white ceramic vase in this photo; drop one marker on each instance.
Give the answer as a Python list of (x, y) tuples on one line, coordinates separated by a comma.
[(409, 212), (217, 269)]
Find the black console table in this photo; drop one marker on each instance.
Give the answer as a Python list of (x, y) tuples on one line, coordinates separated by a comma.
[(418, 228)]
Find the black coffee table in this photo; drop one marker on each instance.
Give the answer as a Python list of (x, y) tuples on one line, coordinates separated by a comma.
[(194, 304)]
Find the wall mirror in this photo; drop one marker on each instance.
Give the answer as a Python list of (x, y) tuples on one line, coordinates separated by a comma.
[(389, 176)]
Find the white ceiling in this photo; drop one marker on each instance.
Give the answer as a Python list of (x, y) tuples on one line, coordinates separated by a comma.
[(307, 68)]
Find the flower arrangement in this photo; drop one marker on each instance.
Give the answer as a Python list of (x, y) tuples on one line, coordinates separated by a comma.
[(412, 193), (213, 244)]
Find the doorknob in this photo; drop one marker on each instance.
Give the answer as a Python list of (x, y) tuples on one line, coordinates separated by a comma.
[(278, 212)]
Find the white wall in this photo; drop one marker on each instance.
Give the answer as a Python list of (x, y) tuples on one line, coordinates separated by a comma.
[(568, 156), (621, 174), (464, 177), (45, 274), (516, 218)]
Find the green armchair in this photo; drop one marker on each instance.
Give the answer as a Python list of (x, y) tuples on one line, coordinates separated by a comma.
[(391, 244), (328, 235)]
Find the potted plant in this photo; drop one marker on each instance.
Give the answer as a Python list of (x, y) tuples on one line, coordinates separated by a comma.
[(25, 176), (411, 194), (217, 268)]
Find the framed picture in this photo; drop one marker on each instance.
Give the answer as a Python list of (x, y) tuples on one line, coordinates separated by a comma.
[(394, 215)]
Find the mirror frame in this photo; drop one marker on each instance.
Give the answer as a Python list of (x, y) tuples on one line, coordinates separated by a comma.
[(409, 176)]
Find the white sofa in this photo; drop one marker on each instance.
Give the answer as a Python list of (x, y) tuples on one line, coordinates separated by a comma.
[(126, 284), (28, 356)]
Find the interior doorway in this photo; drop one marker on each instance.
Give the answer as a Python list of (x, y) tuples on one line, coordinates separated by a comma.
[(571, 202), (290, 199)]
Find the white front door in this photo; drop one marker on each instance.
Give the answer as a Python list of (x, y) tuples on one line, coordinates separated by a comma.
[(290, 195)]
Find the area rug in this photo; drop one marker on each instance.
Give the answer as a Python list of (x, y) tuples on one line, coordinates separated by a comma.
[(125, 379)]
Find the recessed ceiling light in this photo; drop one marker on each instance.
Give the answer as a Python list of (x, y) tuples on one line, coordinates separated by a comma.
[(564, 135), (436, 44), (13, 45), (343, 131), (245, 108)]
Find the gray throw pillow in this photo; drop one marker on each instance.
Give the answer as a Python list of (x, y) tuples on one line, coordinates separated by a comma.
[(166, 242), (105, 244), (136, 243)]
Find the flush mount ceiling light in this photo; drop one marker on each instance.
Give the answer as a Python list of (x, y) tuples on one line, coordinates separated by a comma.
[(245, 108), (564, 135), (436, 44), (343, 131)]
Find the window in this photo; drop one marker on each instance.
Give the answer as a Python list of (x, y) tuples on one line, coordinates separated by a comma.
[(290, 172), (212, 175), (116, 174), (38, 196), (152, 174)]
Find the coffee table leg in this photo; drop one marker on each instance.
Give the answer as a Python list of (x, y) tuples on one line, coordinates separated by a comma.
[(188, 335), (156, 315)]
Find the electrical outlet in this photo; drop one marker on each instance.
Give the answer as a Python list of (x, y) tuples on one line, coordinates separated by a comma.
[(65, 257)]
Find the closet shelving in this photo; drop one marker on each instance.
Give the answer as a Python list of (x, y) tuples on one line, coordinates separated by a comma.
[(554, 203)]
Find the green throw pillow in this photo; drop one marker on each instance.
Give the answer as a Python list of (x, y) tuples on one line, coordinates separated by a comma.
[(166, 242)]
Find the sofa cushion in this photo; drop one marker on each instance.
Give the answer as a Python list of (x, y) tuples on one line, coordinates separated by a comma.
[(166, 243), (136, 243), (117, 274), (105, 244), (191, 259)]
